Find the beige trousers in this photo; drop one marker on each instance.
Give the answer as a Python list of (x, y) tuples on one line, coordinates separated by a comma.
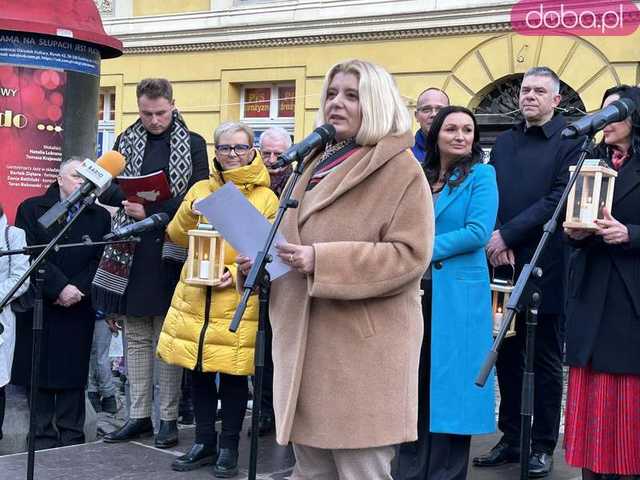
[(142, 335), (342, 464)]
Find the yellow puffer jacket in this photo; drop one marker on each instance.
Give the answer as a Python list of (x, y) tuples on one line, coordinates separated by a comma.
[(188, 338)]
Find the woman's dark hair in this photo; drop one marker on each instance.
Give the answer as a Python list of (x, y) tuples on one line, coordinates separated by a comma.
[(1, 210), (632, 93), (463, 165)]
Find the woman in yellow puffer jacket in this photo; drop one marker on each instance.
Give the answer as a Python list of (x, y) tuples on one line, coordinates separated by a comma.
[(195, 334)]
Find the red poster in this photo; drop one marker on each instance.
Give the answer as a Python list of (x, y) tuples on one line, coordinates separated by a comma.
[(31, 132), (286, 101), (257, 102)]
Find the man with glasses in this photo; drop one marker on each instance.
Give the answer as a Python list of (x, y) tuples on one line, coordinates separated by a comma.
[(138, 280), (429, 103), (273, 142)]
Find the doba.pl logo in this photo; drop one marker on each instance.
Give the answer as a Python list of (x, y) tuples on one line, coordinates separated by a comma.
[(575, 17)]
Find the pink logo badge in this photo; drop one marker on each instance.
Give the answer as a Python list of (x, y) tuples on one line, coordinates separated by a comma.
[(575, 17)]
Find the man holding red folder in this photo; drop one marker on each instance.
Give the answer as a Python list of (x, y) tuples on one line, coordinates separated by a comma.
[(138, 280)]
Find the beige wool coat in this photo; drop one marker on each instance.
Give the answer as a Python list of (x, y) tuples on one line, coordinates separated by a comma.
[(346, 339)]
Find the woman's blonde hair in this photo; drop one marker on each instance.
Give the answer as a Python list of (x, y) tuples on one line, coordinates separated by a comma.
[(383, 110), (231, 128)]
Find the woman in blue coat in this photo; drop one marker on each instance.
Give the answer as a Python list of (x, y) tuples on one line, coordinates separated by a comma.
[(456, 304)]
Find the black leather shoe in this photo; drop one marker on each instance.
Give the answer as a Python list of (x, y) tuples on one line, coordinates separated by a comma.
[(134, 428), (109, 405), (499, 455), (227, 464), (540, 464), (167, 436), (198, 456)]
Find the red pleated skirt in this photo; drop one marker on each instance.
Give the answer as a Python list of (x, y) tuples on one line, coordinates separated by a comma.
[(602, 422)]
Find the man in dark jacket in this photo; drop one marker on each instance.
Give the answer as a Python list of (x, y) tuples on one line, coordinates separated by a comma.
[(429, 103), (532, 169), (68, 316), (138, 281)]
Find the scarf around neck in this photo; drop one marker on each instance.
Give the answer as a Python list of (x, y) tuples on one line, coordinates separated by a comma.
[(334, 154), (112, 277)]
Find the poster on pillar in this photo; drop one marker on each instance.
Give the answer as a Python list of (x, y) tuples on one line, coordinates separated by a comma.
[(31, 131)]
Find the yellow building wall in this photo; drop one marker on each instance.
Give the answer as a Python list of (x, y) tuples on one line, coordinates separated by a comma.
[(165, 7), (207, 83)]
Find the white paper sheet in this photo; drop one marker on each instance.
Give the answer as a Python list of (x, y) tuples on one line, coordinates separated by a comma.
[(241, 224)]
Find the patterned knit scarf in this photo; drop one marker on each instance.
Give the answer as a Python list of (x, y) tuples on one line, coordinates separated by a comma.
[(112, 276), (333, 156)]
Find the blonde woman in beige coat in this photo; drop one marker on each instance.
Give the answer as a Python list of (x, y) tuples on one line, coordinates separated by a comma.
[(347, 324)]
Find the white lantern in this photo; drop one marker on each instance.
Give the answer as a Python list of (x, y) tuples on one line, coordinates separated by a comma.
[(500, 292), (205, 259), (592, 191)]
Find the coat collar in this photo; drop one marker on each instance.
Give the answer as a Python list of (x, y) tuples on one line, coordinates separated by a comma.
[(353, 171), (628, 179), (447, 195), (253, 175), (547, 130), (51, 196)]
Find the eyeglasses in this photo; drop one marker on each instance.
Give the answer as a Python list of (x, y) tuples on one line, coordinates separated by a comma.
[(428, 109), (240, 149)]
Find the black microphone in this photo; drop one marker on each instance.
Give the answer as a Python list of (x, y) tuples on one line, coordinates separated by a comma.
[(318, 138), (154, 221), (616, 111)]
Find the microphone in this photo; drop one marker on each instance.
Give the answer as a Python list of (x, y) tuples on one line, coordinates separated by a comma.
[(318, 138), (616, 111), (150, 223), (97, 175)]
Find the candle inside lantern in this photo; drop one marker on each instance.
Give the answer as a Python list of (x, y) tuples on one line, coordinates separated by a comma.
[(586, 209), (497, 317), (204, 267)]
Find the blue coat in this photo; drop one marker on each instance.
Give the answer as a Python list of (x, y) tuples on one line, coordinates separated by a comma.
[(461, 326)]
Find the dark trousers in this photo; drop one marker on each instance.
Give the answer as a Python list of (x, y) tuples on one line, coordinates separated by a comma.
[(59, 417), (233, 394), (434, 456), (548, 384)]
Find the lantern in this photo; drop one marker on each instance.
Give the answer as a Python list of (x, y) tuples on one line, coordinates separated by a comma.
[(500, 292), (592, 191), (205, 260)]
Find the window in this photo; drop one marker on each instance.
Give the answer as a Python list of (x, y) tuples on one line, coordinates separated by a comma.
[(268, 105), (106, 121)]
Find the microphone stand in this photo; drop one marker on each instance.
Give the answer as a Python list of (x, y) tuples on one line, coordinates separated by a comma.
[(259, 277), (37, 314), (522, 289)]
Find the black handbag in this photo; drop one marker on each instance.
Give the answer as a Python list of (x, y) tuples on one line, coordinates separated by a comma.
[(26, 301)]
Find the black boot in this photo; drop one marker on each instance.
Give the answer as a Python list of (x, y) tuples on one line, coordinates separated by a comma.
[(109, 405), (227, 464), (167, 436), (134, 428), (198, 456)]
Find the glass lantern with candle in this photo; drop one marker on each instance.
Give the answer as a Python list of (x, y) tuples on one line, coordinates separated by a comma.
[(500, 292), (592, 191), (205, 259)]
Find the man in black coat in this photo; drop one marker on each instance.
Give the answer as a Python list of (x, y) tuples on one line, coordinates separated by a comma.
[(138, 281), (67, 315), (531, 162)]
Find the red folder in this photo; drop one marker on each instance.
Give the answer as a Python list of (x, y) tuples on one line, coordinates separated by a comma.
[(145, 189)]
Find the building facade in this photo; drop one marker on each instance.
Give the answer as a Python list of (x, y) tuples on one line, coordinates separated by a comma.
[(263, 61)]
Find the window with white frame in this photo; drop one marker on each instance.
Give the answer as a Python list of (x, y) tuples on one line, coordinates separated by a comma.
[(106, 120), (264, 105)]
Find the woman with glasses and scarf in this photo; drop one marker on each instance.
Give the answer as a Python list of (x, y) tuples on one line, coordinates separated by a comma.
[(195, 332)]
